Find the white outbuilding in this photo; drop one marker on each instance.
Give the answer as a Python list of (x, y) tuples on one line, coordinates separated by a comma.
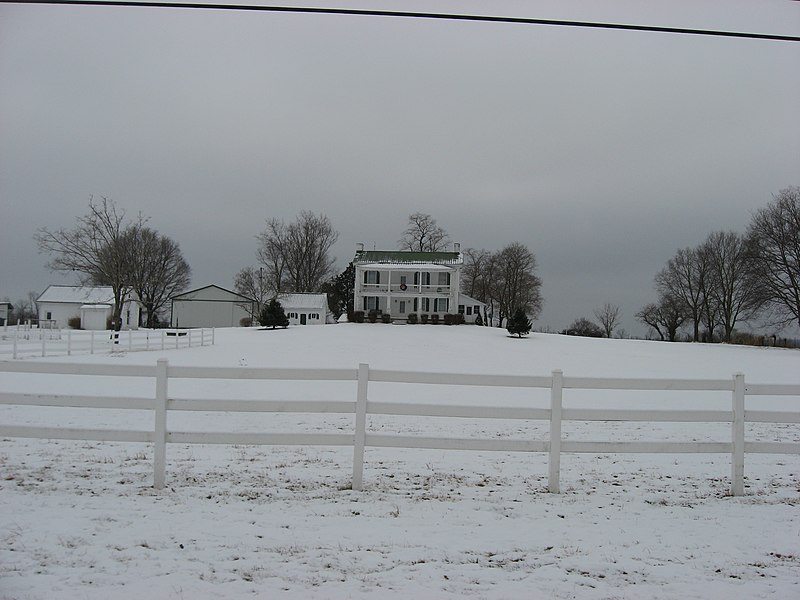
[(210, 306), (94, 306), (305, 309)]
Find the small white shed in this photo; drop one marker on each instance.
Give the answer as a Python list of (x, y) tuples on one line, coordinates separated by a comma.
[(210, 306), (305, 309), (5, 312)]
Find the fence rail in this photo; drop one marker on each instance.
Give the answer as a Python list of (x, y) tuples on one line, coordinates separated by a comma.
[(360, 438), (19, 342)]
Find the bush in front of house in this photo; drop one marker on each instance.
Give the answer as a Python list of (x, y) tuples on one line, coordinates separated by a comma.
[(74, 322), (434, 319), (355, 316), (245, 322), (386, 318), (454, 319), (424, 318), (372, 317), (412, 318)]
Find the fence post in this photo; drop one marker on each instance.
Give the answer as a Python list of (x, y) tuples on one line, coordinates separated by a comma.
[(160, 435), (44, 350), (91, 343), (163, 337), (737, 458), (16, 336), (212, 335), (361, 427), (130, 340), (554, 462), (202, 336), (69, 342)]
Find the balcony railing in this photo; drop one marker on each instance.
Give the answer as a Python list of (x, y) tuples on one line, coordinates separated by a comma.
[(404, 288)]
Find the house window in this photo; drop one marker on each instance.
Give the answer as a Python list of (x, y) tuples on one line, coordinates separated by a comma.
[(477, 309), (469, 310), (402, 307), (372, 277), (48, 315), (461, 309), (370, 303), (426, 305), (444, 278), (440, 304), (425, 278)]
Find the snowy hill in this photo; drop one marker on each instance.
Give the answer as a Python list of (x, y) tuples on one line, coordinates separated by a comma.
[(81, 520)]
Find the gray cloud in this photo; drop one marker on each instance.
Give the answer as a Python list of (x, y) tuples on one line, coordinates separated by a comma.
[(603, 151)]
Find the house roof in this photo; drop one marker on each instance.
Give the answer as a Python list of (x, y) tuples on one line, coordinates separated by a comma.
[(405, 257), (464, 299), (318, 301), (77, 294)]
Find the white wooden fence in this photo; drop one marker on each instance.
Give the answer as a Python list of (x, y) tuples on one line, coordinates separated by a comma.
[(17, 342), (361, 406)]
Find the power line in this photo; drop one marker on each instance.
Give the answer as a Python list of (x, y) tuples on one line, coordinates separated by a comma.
[(412, 15)]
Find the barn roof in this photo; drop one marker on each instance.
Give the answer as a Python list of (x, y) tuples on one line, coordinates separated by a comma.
[(77, 294)]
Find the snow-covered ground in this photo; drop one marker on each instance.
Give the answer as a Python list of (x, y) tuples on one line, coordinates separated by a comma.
[(81, 519)]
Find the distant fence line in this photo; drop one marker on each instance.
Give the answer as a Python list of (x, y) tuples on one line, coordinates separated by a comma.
[(361, 406), (22, 342)]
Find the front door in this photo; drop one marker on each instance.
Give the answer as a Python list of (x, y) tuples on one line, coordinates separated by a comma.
[(302, 318)]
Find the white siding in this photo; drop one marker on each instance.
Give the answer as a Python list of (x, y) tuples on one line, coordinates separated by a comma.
[(207, 313)]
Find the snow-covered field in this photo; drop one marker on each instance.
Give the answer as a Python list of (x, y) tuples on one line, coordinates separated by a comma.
[(81, 519)]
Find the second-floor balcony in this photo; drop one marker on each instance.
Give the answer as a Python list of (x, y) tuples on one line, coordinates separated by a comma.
[(405, 288)]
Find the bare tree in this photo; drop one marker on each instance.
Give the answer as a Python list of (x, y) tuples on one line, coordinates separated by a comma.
[(296, 257), (271, 254), (250, 282), (608, 317), (308, 260), (157, 269), (96, 250), (730, 284), (423, 235), (683, 281), (476, 274), (666, 317), (773, 239), (515, 283)]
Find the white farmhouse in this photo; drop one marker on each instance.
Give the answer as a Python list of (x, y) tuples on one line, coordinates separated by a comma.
[(94, 306), (399, 283), (305, 309), (210, 306)]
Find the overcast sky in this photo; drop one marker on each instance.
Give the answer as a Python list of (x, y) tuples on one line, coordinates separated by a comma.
[(603, 151)]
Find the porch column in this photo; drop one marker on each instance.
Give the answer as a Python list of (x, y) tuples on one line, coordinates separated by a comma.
[(389, 292)]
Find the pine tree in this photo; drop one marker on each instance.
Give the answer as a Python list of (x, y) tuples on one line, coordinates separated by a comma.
[(519, 324), (272, 315)]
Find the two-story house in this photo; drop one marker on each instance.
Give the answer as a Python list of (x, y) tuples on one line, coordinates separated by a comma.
[(403, 282)]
